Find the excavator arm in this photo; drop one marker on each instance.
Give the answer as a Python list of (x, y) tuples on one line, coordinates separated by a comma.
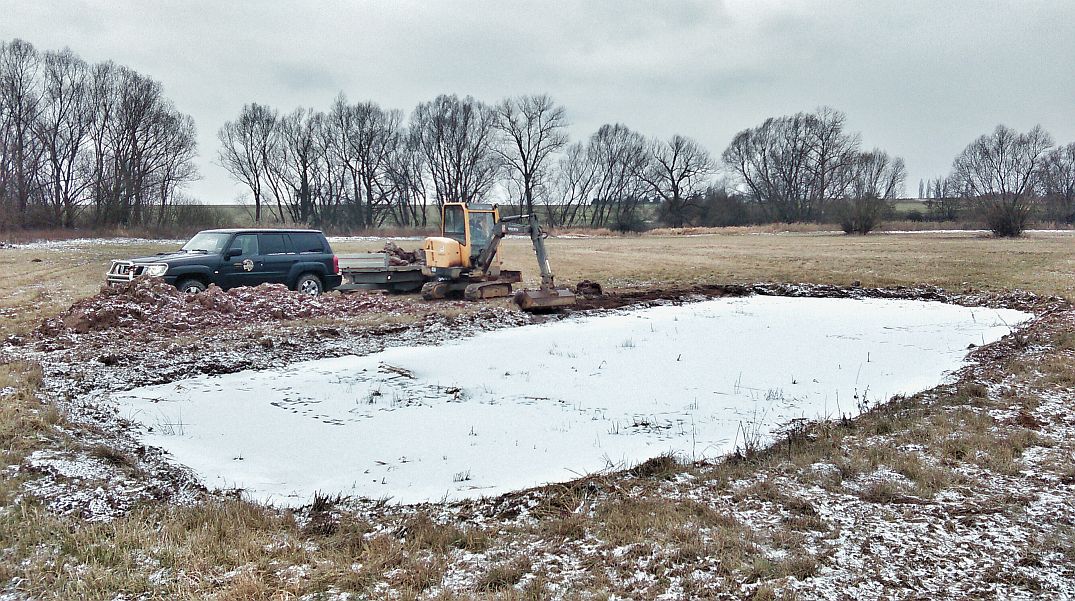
[(548, 296)]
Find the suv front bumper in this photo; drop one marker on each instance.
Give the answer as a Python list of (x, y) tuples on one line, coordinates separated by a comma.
[(122, 272)]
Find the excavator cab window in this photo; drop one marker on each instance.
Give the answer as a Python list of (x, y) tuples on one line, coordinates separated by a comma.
[(481, 231), (455, 224)]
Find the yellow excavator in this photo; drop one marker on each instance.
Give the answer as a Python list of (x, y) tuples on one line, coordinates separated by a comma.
[(464, 258)]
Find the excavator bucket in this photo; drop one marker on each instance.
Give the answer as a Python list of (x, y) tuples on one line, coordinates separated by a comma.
[(544, 299)]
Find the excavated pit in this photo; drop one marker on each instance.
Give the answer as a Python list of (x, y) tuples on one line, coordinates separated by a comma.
[(548, 402)]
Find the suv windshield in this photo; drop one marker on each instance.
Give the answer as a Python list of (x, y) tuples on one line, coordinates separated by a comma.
[(209, 242)]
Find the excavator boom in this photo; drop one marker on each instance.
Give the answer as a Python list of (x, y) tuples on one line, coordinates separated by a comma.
[(548, 296)]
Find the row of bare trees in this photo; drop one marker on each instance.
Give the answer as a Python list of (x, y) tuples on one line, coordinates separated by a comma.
[(807, 167), (101, 145), (1012, 174), (97, 144), (1007, 178), (360, 165)]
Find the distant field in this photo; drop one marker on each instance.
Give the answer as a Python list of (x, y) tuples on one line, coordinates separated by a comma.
[(42, 281)]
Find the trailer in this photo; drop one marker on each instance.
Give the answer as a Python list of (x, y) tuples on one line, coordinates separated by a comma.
[(374, 271)]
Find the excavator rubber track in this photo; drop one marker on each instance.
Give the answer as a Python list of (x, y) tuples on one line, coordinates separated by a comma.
[(483, 290), (435, 290)]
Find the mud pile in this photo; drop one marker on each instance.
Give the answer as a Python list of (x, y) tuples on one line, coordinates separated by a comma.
[(588, 289), (151, 304)]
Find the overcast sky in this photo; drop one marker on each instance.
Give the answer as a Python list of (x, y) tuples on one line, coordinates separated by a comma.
[(920, 79)]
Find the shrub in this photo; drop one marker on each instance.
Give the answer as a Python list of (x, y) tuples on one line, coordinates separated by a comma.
[(860, 215), (629, 221)]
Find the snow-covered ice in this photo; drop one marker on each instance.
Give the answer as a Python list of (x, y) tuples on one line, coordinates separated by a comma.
[(544, 403)]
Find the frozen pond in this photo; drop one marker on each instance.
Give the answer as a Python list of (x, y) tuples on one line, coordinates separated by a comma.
[(545, 403)]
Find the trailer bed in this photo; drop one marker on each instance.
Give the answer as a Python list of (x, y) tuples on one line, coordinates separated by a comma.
[(374, 271)]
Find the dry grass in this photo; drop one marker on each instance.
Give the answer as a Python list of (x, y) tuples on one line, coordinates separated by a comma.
[(235, 550), (504, 576), (1040, 263), (42, 282)]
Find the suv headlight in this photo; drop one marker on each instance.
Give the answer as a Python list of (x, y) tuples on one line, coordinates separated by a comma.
[(156, 270)]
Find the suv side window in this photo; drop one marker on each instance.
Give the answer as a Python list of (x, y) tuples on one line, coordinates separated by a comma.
[(273, 244), (248, 243), (307, 243)]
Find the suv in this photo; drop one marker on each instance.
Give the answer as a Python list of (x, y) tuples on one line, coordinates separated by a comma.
[(301, 259)]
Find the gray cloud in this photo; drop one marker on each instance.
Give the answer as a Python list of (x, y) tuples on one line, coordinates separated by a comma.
[(918, 78)]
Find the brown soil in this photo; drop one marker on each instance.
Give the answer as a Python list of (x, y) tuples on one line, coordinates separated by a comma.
[(149, 304), (1016, 299)]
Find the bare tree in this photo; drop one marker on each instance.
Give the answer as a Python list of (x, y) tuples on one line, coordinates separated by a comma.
[(677, 173), (573, 183), (944, 203), (333, 180), (456, 137), (72, 134), (1057, 179), (294, 160), (339, 126), (63, 127), (533, 129), (245, 146), (772, 161), (834, 154), (150, 147), (406, 169), (103, 98), (873, 181), (999, 171), (362, 138), (375, 136), (619, 157), (792, 166), (172, 153), (19, 65)]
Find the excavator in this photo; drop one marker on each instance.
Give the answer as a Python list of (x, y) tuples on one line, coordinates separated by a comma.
[(464, 258)]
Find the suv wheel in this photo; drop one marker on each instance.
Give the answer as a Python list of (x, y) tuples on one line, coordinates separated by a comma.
[(191, 286), (309, 284)]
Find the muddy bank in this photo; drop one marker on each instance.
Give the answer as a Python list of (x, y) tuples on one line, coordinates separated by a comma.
[(1013, 299), (148, 332)]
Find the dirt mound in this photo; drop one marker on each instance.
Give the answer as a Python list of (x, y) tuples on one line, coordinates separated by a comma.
[(588, 289), (151, 304)]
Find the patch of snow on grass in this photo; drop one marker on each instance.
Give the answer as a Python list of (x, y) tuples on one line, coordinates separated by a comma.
[(78, 243), (546, 403)]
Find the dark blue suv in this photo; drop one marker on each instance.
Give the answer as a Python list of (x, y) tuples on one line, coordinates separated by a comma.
[(301, 259)]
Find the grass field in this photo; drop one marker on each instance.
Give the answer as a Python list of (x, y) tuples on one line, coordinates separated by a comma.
[(913, 498), (41, 281)]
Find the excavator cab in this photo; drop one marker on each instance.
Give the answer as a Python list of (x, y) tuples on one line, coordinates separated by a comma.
[(466, 231), (464, 258)]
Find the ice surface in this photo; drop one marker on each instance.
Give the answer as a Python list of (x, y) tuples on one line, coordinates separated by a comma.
[(545, 403)]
